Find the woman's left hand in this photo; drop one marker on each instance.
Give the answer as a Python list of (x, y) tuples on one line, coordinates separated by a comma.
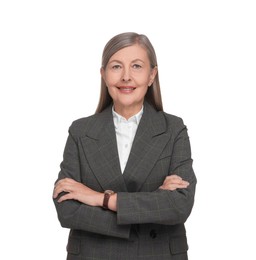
[(77, 191), (174, 182)]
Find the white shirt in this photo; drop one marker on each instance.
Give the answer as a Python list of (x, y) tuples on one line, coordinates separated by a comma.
[(125, 132)]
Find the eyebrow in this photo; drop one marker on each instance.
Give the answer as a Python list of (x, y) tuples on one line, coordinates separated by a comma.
[(136, 60)]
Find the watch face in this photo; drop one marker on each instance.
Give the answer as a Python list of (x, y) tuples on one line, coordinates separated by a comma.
[(108, 192)]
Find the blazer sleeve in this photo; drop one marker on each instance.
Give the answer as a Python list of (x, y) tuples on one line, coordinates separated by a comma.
[(163, 206), (75, 215)]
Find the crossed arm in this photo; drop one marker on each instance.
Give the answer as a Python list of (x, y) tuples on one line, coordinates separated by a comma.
[(80, 207), (78, 191)]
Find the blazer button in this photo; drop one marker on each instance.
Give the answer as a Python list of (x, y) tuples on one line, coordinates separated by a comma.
[(153, 234)]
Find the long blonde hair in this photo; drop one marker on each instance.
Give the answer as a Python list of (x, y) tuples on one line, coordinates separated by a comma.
[(118, 42)]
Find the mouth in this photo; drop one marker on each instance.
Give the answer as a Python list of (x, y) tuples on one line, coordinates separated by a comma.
[(126, 89)]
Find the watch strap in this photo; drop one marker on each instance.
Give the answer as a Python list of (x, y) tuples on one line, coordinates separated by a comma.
[(107, 195)]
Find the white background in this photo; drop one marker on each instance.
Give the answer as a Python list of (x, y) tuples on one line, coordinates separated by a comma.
[(50, 55)]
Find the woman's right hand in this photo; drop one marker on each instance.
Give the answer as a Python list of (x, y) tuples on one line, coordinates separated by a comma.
[(173, 182)]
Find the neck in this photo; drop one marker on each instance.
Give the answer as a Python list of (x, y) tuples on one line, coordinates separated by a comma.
[(128, 111)]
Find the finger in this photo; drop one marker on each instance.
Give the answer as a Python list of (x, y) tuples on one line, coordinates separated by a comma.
[(176, 179), (64, 181), (65, 197), (173, 181), (61, 187), (56, 192), (174, 176), (174, 186), (182, 185), (59, 182)]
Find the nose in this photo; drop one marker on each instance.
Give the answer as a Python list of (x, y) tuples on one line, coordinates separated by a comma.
[(126, 75)]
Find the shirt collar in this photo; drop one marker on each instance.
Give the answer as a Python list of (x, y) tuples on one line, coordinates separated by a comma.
[(135, 118)]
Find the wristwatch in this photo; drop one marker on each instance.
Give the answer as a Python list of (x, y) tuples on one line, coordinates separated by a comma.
[(107, 194)]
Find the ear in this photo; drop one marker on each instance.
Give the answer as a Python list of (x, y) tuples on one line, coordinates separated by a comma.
[(102, 72), (152, 75)]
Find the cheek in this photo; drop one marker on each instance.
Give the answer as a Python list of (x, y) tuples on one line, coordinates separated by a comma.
[(111, 79), (143, 81), (143, 78)]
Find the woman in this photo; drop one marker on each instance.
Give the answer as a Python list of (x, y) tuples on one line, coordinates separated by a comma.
[(126, 185)]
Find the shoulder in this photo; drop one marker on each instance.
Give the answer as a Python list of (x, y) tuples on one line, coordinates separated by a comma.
[(91, 124), (172, 119), (81, 126), (174, 123), (162, 121)]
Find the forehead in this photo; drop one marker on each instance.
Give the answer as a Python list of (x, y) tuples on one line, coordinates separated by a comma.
[(130, 53)]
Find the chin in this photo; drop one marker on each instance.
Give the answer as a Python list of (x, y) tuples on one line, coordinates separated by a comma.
[(127, 103)]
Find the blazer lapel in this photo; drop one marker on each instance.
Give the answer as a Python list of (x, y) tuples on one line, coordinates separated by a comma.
[(150, 139), (100, 149)]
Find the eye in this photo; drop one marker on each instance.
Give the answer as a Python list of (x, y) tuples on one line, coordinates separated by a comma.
[(116, 67), (136, 66)]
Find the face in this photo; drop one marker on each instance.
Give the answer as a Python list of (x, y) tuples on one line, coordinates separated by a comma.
[(128, 76)]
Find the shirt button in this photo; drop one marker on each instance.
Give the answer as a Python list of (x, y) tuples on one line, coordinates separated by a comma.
[(126, 146)]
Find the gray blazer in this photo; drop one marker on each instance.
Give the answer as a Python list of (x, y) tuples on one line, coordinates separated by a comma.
[(149, 222)]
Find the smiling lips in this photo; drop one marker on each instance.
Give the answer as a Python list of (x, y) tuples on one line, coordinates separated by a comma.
[(126, 89)]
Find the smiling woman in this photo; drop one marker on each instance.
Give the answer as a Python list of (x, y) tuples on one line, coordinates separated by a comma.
[(126, 185), (128, 75), (120, 43)]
